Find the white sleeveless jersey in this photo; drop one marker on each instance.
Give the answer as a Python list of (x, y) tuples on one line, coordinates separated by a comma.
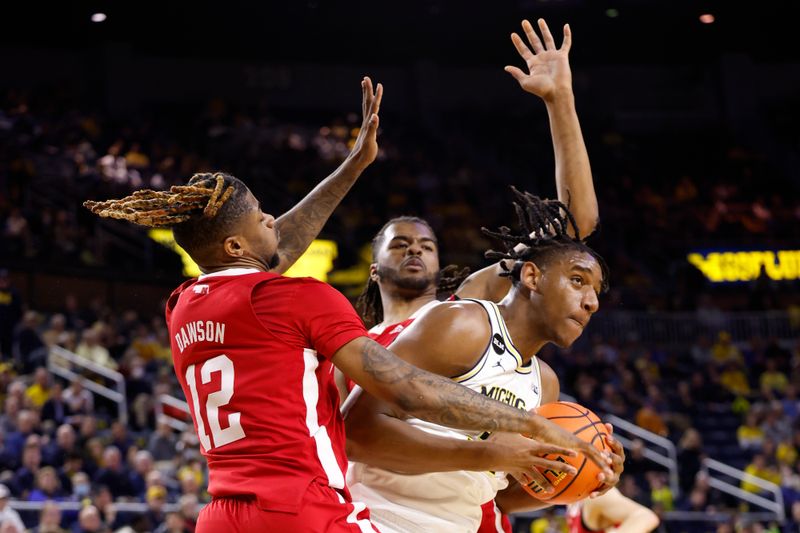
[(450, 501)]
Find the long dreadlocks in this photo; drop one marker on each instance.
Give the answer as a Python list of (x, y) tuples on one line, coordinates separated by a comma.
[(199, 212), (545, 225), (369, 304)]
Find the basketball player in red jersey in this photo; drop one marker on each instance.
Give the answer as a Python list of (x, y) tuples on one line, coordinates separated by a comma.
[(612, 512), (254, 351), (403, 464), (405, 276)]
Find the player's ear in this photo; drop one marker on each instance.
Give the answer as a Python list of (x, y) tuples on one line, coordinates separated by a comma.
[(530, 275), (373, 272), (234, 246)]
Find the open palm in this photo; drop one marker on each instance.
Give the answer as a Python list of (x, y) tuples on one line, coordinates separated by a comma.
[(548, 66)]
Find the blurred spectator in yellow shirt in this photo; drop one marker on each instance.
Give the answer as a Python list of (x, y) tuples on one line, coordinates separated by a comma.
[(772, 379), (734, 380), (750, 435), (759, 469), (725, 351), (39, 392)]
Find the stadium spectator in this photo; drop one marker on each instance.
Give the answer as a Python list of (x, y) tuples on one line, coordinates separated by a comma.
[(91, 349), (25, 476), (173, 524), (48, 486), (49, 519), (30, 348), (162, 441), (760, 468), (89, 521), (55, 411), (114, 474), (79, 401), (39, 391), (749, 434)]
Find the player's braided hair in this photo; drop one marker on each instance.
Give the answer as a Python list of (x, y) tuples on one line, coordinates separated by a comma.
[(369, 304), (198, 212), (545, 225)]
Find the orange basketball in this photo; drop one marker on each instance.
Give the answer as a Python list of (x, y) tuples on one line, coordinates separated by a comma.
[(585, 425)]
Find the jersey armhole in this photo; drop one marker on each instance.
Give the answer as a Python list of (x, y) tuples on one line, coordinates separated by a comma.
[(481, 362)]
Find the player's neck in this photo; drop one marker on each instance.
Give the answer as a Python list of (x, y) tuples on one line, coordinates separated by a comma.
[(399, 306), (526, 331), (242, 262)]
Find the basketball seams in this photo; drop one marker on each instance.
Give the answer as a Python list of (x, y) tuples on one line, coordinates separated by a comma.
[(582, 412)]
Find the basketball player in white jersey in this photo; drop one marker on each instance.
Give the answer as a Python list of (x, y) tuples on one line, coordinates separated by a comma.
[(422, 482), (406, 271), (404, 277)]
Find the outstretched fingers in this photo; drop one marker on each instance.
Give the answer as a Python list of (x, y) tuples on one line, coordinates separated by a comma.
[(522, 49), (366, 96), (547, 37), (536, 43), (376, 100), (566, 44)]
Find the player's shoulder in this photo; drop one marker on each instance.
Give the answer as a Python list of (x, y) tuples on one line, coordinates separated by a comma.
[(461, 320), (462, 310)]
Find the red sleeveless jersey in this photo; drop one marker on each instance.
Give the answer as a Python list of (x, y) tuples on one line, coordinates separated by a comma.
[(252, 353)]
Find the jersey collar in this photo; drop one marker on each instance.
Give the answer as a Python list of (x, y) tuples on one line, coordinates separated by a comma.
[(230, 272)]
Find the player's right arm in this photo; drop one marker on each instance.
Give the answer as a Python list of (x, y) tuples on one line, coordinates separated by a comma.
[(437, 399), (377, 436)]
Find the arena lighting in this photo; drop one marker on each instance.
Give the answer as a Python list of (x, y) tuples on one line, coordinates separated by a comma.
[(316, 262), (734, 265), (707, 18), (99, 17)]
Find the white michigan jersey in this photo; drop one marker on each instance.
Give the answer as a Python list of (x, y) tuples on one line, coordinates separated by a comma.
[(450, 501)]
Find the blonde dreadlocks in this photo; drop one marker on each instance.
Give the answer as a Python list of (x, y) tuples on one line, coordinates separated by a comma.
[(205, 193), (201, 213)]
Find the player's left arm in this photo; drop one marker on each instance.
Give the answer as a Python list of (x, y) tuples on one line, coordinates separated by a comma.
[(615, 508), (300, 225), (550, 78)]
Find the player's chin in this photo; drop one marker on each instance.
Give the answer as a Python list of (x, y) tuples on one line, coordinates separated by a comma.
[(565, 339)]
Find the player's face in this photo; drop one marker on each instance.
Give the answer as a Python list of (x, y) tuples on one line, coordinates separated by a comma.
[(569, 286), (260, 234), (408, 257)]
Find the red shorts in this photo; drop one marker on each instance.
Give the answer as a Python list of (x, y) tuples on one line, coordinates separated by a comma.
[(322, 509), (493, 520)]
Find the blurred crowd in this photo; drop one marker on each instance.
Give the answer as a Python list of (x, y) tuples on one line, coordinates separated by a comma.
[(654, 210), (59, 442)]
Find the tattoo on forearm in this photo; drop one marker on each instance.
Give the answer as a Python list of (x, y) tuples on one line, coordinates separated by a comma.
[(438, 399), (303, 223)]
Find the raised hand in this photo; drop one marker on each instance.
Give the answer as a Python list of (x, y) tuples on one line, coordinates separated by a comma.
[(365, 148), (548, 67)]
